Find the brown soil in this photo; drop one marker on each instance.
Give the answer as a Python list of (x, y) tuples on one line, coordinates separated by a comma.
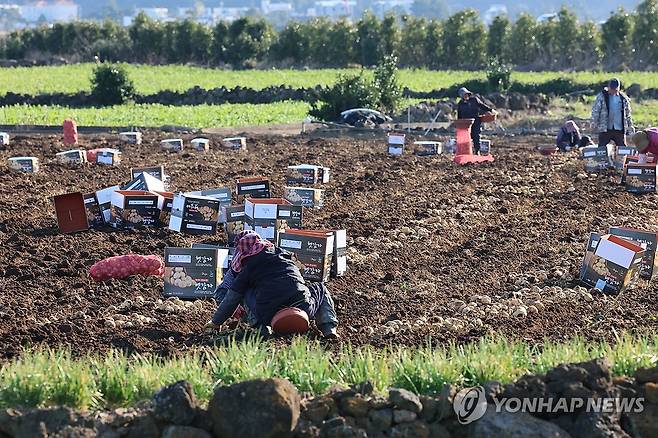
[(426, 233)]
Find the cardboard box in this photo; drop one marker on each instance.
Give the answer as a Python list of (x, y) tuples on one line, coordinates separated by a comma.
[(306, 174), (305, 197), (339, 257), (145, 182), (312, 249), (640, 178), (165, 211), (172, 144), (71, 213), (257, 187), (633, 159), (302, 174), (647, 240), (427, 148), (72, 157), (108, 156), (263, 208), (4, 139), (200, 144), (267, 217), (620, 156), (131, 137), (104, 199), (235, 143), (155, 171), (191, 272), (595, 158), (222, 194), (24, 164), (291, 216), (396, 144), (94, 214), (234, 221), (225, 256), (132, 208), (485, 147), (611, 263), (193, 214)]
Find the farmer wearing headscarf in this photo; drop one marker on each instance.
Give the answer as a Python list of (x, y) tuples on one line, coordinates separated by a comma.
[(646, 142), (265, 279), (568, 137), (471, 107)]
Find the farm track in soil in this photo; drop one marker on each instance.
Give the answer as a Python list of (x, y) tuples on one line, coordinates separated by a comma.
[(426, 233)]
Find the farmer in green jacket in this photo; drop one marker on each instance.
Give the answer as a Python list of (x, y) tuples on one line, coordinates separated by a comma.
[(611, 115)]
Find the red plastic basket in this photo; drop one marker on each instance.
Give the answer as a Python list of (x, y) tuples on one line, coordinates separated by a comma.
[(547, 150)]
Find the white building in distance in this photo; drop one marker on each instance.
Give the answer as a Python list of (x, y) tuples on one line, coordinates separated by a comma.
[(332, 9), (51, 12), (382, 7)]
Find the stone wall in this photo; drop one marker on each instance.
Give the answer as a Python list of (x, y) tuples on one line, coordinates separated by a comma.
[(272, 408)]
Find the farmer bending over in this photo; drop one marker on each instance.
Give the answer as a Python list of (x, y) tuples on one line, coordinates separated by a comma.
[(471, 107), (646, 142), (265, 279), (568, 137)]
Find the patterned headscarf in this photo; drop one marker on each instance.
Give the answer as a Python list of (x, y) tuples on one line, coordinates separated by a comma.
[(247, 244)]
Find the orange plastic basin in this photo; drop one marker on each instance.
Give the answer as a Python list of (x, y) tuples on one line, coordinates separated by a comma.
[(289, 321)]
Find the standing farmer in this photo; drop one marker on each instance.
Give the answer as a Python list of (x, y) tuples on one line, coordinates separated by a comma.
[(611, 115), (470, 107)]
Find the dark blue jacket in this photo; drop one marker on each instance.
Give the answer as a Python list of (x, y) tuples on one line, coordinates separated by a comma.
[(273, 282)]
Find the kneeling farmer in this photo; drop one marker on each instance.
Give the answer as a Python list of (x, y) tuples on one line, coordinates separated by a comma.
[(646, 142), (266, 280)]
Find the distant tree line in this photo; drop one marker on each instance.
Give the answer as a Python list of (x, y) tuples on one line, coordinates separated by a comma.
[(624, 40)]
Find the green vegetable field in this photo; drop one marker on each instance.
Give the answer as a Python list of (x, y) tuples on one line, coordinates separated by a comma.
[(151, 79), (158, 115)]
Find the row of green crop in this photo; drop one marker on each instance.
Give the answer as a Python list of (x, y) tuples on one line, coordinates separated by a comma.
[(155, 115), (234, 115), (151, 79), (54, 377)]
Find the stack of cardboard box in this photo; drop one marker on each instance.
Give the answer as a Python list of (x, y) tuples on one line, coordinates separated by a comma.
[(639, 178), (300, 180), (270, 216)]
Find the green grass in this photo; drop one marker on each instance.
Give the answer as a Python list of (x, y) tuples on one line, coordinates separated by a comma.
[(53, 377), (150, 79), (155, 115), (645, 113)]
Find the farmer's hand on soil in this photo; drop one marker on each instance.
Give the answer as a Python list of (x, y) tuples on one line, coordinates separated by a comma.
[(211, 327)]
